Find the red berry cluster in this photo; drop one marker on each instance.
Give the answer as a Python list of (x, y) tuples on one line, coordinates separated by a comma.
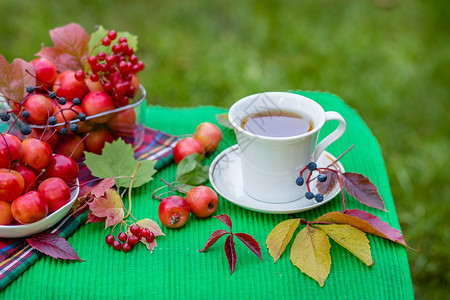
[(116, 70), (126, 242), (33, 182)]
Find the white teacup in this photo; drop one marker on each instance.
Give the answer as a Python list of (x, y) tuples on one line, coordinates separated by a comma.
[(270, 165)]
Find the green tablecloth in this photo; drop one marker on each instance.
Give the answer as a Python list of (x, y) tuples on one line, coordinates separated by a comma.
[(177, 270)]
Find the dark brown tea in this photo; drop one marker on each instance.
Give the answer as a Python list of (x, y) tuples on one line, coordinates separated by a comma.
[(276, 124)]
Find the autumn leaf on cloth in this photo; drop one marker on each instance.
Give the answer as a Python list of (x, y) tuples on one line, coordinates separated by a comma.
[(117, 161), (154, 228), (109, 206), (311, 254), (53, 245), (360, 187), (310, 251), (71, 48), (280, 237), (229, 247), (366, 222), (15, 77), (352, 239)]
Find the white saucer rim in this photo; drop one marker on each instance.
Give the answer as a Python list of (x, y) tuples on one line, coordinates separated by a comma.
[(274, 207)]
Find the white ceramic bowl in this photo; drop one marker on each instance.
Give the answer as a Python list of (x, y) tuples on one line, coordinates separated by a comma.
[(16, 231)]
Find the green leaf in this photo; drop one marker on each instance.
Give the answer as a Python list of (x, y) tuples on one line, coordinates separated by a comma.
[(190, 170), (117, 160), (95, 43)]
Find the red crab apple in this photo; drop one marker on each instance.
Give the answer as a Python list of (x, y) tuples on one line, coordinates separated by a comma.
[(174, 211), (5, 213), (28, 175), (63, 167), (202, 200), (40, 108), (11, 185), (94, 86), (123, 122), (49, 136), (29, 208), (96, 140), (67, 86), (55, 192), (45, 72), (186, 147), (69, 144), (209, 135), (10, 149), (96, 103), (36, 153)]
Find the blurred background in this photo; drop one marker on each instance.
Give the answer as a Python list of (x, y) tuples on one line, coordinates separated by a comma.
[(388, 59)]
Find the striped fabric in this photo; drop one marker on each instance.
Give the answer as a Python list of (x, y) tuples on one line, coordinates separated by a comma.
[(16, 255)]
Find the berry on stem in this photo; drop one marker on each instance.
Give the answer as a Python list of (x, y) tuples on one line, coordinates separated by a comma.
[(322, 177), (318, 197), (309, 195), (110, 239), (300, 181), (312, 166)]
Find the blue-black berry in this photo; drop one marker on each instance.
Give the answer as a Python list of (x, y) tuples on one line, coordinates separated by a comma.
[(25, 114), (82, 116), (62, 100), (312, 166), (73, 127), (25, 130), (318, 197), (76, 101), (52, 95), (63, 131), (30, 89), (52, 120), (4, 116), (309, 195), (300, 181), (322, 177)]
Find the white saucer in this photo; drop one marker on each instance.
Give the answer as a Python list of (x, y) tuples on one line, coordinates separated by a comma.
[(226, 178)]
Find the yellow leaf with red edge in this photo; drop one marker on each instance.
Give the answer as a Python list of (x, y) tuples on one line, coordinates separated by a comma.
[(310, 253), (154, 228), (280, 236), (352, 239), (109, 206)]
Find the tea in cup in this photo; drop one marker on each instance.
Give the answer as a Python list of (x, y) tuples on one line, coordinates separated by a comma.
[(277, 134)]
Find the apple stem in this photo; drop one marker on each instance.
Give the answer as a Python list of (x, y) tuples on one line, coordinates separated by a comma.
[(78, 145)]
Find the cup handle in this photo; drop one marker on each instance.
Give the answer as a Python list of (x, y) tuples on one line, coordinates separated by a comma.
[(332, 137)]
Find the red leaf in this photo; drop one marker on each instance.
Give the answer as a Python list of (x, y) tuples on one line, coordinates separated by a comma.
[(360, 187), (326, 186), (71, 47), (100, 189), (225, 219), (213, 238), (14, 79), (230, 252), (383, 228), (94, 219), (53, 245), (250, 242)]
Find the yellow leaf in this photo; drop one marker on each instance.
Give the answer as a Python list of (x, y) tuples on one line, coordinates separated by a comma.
[(352, 239), (310, 253), (280, 236)]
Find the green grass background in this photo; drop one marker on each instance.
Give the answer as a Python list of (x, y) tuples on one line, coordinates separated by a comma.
[(388, 59)]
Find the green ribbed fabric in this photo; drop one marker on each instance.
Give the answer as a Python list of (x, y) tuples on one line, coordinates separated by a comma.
[(177, 270)]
